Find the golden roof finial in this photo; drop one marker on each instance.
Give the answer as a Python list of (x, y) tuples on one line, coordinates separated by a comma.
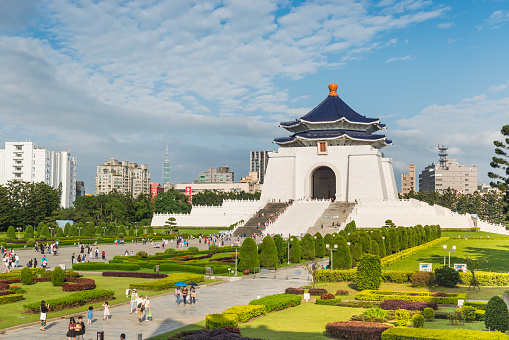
[(333, 88)]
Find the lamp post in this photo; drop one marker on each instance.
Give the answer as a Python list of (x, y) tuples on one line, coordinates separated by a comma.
[(331, 250), (235, 260), (449, 250), (18, 229), (289, 250), (79, 230)]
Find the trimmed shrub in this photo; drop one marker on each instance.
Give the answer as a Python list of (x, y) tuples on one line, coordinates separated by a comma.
[(405, 333), (317, 291), (423, 279), (268, 253), (246, 312), (308, 247), (295, 253), (408, 305), (135, 274), (479, 315), (319, 246), (72, 300), (58, 276), (213, 247), (327, 296), (248, 255), (281, 247), (356, 330), (100, 266), (476, 305), (9, 298), (11, 233), (418, 321), (167, 282), (342, 259), (194, 250), (78, 284), (429, 314), (373, 295), (468, 313), (213, 321), (359, 304), (355, 247), (402, 317), (447, 277), (170, 251), (439, 294), (369, 272), (142, 254), (342, 292), (277, 302), (328, 302), (29, 233), (26, 276), (496, 316), (296, 291), (375, 312), (191, 268)]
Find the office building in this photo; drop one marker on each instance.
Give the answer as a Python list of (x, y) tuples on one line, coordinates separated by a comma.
[(217, 175), (155, 189), (258, 161), (123, 176), (448, 173), (408, 182), (166, 168), (24, 161)]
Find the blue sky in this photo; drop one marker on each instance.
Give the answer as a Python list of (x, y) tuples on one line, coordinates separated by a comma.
[(212, 79)]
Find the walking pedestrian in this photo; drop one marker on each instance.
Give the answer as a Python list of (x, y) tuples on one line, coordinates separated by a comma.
[(44, 311), (176, 293), (80, 328), (192, 299), (184, 294), (134, 298), (157, 268), (90, 315), (72, 259), (140, 308), (71, 331), (148, 310), (106, 306)]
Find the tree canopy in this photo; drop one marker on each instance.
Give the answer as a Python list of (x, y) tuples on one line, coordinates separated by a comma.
[(500, 162)]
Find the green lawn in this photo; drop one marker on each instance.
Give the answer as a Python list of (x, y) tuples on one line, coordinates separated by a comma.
[(445, 324), (11, 314), (495, 251), (484, 234)]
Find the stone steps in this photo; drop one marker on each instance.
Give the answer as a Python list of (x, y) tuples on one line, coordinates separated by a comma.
[(261, 216)]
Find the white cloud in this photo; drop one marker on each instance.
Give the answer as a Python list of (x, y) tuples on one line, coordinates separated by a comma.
[(393, 59), (498, 88), (498, 18), (445, 25)]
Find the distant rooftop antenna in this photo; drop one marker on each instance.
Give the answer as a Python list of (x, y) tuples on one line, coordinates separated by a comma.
[(442, 154)]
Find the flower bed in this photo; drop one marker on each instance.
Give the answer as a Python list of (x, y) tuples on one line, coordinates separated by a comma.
[(407, 333), (278, 301), (7, 292), (408, 305), (356, 330), (381, 295), (246, 312), (167, 282), (72, 300), (135, 274), (79, 284)]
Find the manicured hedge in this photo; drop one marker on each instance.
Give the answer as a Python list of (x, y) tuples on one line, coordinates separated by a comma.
[(382, 295), (7, 292), (135, 274), (105, 266), (277, 302), (406, 333), (296, 291), (408, 305), (246, 312), (16, 273), (359, 304), (486, 278), (79, 284), (391, 259), (356, 330), (72, 300), (4, 286), (190, 268), (328, 302), (476, 305), (167, 282), (317, 291), (213, 321), (369, 272), (11, 298), (349, 275)]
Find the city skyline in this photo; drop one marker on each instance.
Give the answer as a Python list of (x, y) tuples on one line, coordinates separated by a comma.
[(214, 79)]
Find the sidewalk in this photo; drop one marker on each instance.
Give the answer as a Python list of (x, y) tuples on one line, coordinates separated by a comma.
[(167, 315)]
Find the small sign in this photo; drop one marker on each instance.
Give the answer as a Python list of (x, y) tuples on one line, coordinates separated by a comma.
[(209, 270), (425, 267), (307, 296), (297, 272), (62, 266), (460, 267), (264, 271)]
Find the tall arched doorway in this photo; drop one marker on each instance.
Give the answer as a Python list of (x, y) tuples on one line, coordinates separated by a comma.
[(323, 182)]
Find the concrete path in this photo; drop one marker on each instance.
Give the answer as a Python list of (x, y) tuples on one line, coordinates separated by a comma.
[(167, 315)]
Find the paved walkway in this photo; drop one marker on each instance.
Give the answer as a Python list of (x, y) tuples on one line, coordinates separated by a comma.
[(167, 315)]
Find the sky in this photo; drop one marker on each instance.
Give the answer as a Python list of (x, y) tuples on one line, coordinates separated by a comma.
[(213, 79)]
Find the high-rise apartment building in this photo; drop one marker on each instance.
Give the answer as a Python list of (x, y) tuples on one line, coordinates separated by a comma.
[(217, 175), (408, 182), (166, 168), (123, 176), (258, 161), (80, 188), (448, 173), (24, 161)]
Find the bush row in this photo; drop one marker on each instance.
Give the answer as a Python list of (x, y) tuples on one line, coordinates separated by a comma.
[(16, 273), (7, 292), (105, 266), (476, 305), (135, 274), (356, 330), (349, 275), (277, 302), (375, 295), (317, 291), (406, 333), (296, 291), (328, 302), (213, 321), (246, 312), (408, 305), (10, 298), (391, 259), (190, 268), (79, 284), (167, 282), (72, 300)]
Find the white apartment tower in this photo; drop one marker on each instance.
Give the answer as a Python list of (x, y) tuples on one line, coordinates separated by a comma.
[(24, 161), (123, 176)]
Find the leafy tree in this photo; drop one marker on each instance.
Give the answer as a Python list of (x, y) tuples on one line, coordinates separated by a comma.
[(374, 248), (295, 254), (131, 231), (268, 252), (341, 257), (172, 201), (355, 247), (170, 224), (29, 232), (369, 272), (67, 229), (447, 277), (248, 255), (402, 238), (496, 316), (377, 237), (211, 198), (500, 162), (150, 230), (11, 233), (281, 248), (44, 230), (319, 246), (394, 240), (73, 230), (365, 241), (328, 239), (308, 247), (60, 233)]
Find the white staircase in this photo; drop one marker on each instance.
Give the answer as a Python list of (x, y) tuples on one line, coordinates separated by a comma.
[(298, 218)]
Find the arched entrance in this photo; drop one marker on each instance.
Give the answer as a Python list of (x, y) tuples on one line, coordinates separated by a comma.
[(323, 183)]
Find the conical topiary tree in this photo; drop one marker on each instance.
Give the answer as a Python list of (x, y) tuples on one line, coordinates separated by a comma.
[(281, 247), (341, 256), (44, 231), (328, 239), (377, 236), (295, 255), (319, 246), (365, 241), (369, 272), (11, 233), (60, 233), (355, 247), (307, 247), (496, 316), (29, 232), (268, 253), (67, 229), (248, 255), (374, 248)]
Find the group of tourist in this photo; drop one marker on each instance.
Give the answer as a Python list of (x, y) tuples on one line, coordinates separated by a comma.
[(140, 304), (184, 295), (10, 259), (49, 248)]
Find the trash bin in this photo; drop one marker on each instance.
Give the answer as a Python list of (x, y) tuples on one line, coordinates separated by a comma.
[(100, 335), (139, 336)]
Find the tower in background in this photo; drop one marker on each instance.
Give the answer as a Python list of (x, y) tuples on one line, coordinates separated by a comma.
[(166, 168), (258, 161), (408, 181)]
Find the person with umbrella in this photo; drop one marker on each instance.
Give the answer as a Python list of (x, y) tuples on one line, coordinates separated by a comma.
[(180, 293), (192, 291)]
